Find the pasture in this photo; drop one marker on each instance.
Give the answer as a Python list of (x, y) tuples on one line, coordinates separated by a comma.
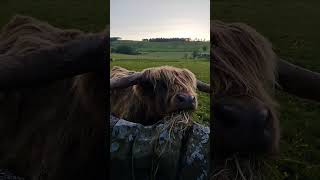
[(293, 28)]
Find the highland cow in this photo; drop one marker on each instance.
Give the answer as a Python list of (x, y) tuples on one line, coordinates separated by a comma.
[(243, 80), (52, 122), (245, 73), (148, 96)]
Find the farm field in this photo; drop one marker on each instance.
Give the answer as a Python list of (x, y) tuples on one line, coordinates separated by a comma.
[(293, 28)]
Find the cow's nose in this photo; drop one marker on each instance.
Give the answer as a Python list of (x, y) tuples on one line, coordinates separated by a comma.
[(235, 115), (242, 127), (185, 100)]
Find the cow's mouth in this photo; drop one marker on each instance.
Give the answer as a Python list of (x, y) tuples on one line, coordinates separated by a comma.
[(186, 106)]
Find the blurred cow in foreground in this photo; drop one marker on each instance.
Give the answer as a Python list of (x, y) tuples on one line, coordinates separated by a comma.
[(243, 80), (52, 122), (245, 73)]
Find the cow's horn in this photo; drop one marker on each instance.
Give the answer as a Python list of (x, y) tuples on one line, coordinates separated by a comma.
[(124, 82), (204, 87), (299, 81)]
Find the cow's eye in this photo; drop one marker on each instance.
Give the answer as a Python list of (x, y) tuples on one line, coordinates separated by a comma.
[(148, 88), (161, 86), (147, 85)]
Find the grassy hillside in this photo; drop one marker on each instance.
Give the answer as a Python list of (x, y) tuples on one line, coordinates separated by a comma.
[(293, 28), (160, 50), (162, 46)]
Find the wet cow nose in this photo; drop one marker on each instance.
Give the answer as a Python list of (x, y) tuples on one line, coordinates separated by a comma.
[(242, 127), (235, 115), (184, 98)]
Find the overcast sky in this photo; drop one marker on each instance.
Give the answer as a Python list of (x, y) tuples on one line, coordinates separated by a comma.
[(138, 19)]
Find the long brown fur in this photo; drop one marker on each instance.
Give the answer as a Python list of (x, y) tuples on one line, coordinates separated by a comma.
[(133, 105), (55, 131), (244, 64)]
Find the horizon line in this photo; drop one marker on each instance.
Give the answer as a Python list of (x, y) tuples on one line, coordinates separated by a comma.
[(140, 39)]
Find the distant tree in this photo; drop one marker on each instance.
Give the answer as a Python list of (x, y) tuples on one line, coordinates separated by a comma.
[(186, 56), (169, 40), (195, 53), (204, 48), (124, 49), (113, 50)]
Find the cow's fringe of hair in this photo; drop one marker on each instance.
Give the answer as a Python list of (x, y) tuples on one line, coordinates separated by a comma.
[(171, 75), (244, 63), (23, 35)]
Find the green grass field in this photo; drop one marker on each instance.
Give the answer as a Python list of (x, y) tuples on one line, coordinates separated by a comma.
[(152, 56), (293, 27)]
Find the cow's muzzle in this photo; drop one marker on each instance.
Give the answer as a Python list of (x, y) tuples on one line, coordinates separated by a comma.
[(242, 125), (185, 101)]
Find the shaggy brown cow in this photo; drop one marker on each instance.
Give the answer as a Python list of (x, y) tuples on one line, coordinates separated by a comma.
[(148, 96), (52, 125), (243, 80), (245, 73)]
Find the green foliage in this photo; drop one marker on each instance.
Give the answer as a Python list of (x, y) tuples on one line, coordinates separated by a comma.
[(195, 53), (148, 47), (185, 56), (204, 48), (125, 49)]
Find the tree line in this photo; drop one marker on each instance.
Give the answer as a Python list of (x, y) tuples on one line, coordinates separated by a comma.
[(167, 40)]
